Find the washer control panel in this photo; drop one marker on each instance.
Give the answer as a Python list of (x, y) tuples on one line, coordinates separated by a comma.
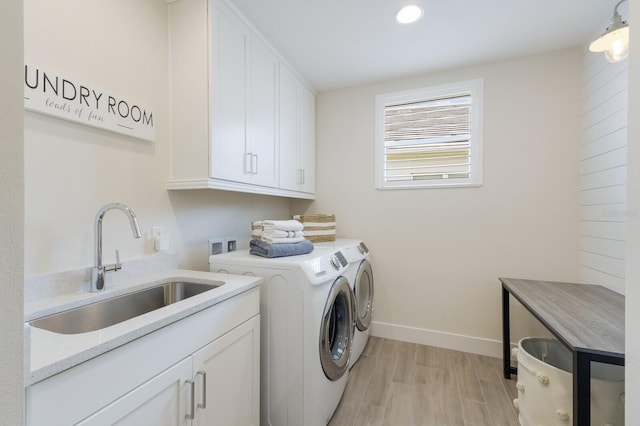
[(341, 258), (324, 268)]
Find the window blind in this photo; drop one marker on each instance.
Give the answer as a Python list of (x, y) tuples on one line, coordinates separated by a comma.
[(428, 139)]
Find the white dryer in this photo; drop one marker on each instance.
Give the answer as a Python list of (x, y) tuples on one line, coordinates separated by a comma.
[(360, 276), (306, 332)]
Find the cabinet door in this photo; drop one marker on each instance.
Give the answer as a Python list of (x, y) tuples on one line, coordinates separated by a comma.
[(297, 134), (227, 375), (306, 139), (262, 115), (288, 120), (162, 401), (229, 39)]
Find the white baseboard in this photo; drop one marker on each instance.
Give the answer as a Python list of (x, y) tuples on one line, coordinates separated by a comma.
[(439, 339)]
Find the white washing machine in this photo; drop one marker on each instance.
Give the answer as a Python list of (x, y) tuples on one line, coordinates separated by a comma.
[(360, 276), (306, 315)]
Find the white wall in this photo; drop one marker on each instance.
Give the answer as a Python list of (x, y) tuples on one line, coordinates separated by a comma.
[(72, 170), (11, 216), (438, 253), (604, 171), (632, 335)]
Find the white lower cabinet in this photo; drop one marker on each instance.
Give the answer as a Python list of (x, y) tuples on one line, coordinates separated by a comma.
[(161, 401), (228, 372), (177, 375)]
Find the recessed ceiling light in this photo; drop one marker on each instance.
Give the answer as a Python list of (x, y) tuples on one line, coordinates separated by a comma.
[(409, 14)]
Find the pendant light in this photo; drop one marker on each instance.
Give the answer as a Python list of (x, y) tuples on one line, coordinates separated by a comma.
[(614, 42)]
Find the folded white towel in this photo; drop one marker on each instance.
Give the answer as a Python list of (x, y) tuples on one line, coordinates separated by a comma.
[(274, 240), (282, 225), (276, 233)]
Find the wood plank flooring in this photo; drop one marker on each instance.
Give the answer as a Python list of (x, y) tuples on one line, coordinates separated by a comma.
[(406, 384)]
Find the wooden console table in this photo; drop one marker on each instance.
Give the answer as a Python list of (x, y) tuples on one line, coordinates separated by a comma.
[(587, 319)]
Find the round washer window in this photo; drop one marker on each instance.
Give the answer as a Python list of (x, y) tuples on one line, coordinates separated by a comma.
[(336, 330), (364, 295)]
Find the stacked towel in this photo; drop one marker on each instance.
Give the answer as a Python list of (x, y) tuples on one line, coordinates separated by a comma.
[(265, 249), (277, 231), (318, 228)]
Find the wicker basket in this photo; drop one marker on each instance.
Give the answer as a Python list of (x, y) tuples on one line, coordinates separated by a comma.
[(318, 228)]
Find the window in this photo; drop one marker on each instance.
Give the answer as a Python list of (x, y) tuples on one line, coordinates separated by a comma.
[(430, 137)]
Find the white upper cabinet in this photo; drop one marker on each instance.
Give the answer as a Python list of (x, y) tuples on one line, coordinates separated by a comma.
[(229, 42), (261, 156), (226, 106), (297, 134)]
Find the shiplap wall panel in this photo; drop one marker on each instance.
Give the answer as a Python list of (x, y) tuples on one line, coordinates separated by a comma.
[(604, 178), (593, 276), (606, 126), (603, 246), (608, 195), (599, 73), (607, 160), (617, 139), (599, 262), (603, 209), (606, 109), (616, 85), (604, 213), (604, 230)]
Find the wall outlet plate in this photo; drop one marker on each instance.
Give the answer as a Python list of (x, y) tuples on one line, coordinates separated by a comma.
[(217, 246), (160, 237), (231, 243)]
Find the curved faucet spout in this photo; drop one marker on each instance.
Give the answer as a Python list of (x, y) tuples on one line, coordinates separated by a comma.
[(97, 276)]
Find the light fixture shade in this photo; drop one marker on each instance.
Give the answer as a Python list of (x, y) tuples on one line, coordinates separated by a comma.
[(614, 42)]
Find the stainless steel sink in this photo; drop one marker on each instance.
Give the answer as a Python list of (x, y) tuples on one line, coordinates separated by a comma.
[(99, 315)]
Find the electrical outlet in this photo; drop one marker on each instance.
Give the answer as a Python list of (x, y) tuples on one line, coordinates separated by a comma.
[(232, 244), (160, 236), (217, 246)]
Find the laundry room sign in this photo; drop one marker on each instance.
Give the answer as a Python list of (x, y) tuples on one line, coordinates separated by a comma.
[(49, 93)]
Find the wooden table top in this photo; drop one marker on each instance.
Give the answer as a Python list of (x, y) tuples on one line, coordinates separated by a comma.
[(586, 318)]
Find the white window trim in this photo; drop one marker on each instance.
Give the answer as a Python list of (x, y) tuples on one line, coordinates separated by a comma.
[(476, 88)]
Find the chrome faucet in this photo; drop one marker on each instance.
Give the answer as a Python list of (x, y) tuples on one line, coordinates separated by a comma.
[(97, 273)]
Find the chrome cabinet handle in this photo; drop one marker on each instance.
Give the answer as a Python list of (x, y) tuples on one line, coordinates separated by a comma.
[(203, 404), (192, 384), (300, 176), (248, 163)]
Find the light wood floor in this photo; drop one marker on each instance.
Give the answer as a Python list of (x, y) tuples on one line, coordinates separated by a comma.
[(405, 384)]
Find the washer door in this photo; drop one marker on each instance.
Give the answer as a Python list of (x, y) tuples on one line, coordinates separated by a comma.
[(363, 292), (336, 330)]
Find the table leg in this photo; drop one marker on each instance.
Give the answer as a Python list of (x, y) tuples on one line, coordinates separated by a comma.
[(581, 389), (506, 335)]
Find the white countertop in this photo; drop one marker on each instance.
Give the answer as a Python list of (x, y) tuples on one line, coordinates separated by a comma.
[(48, 353)]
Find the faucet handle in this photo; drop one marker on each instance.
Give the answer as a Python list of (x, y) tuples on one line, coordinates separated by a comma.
[(117, 265)]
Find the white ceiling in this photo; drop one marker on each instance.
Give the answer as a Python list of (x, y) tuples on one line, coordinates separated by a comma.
[(340, 43)]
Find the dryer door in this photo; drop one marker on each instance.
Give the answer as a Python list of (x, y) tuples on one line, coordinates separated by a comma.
[(336, 330), (363, 292)]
